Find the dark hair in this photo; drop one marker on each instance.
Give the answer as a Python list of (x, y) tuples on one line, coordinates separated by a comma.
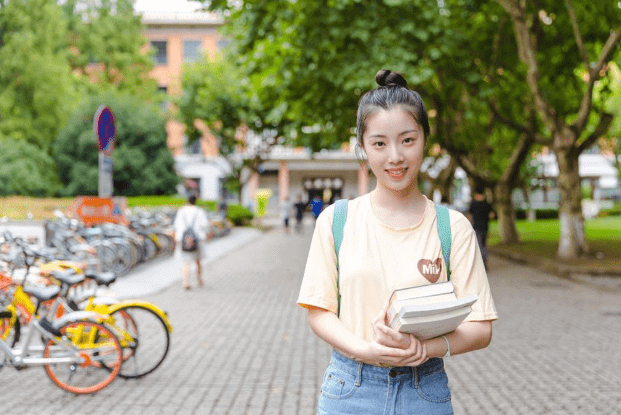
[(392, 92), (192, 199)]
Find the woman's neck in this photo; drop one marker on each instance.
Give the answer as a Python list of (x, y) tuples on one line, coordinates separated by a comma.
[(399, 209)]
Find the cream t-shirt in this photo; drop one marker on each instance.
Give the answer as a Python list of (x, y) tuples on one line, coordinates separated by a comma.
[(375, 259)]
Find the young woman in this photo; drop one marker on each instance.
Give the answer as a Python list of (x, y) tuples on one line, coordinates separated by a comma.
[(389, 235), (194, 216)]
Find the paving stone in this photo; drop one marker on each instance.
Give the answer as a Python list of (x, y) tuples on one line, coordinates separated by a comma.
[(240, 345)]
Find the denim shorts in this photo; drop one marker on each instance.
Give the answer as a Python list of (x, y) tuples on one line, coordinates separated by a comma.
[(351, 387)]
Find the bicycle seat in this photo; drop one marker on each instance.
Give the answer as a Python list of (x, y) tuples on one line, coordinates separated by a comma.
[(43, 293), (101, 278), (69, 276)]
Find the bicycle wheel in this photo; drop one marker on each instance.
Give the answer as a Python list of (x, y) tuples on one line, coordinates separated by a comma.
[(144, 337), (9, 334), (98, 356), (123, 258)]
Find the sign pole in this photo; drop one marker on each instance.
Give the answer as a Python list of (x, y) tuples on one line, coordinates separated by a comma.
[(105, 130)]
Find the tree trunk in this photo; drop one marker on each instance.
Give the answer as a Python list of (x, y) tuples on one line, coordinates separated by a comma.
[(506, 214), (572, 241)]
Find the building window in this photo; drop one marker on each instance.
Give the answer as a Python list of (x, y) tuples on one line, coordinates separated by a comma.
[(194, 147), (223, 43), (160, 52), (191, 50), (165, 103)]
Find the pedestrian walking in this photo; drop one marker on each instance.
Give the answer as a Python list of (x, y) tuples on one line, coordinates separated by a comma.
[(316, 206), (481, 212), (300, 207), (389, 236), (285, 207), (191, 217)]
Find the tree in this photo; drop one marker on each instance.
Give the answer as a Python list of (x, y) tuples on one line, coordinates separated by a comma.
[(565, 47), (108, 47), (312, 60), (216, 96), (26, 170), (35, 82), (142, 163)]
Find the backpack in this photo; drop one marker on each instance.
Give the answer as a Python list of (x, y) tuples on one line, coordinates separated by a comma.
[(189, 240), (338, 224)]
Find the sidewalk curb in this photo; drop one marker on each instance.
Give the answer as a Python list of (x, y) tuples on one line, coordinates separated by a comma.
[(159, 275), (550, 266), (604, 279)]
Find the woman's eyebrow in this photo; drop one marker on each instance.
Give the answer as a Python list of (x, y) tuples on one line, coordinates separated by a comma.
[(408, 132), (378, 135)]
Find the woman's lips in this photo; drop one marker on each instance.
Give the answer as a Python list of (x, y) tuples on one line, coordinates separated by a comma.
[(397, 174)]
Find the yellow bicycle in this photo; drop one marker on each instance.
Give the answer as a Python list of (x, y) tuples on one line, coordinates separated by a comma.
[(142, 328), (80, 353)]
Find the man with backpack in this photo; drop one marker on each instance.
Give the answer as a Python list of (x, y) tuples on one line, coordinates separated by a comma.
[(191, 230)]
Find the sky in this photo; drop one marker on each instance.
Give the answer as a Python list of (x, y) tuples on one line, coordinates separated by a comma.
[(166, 5)]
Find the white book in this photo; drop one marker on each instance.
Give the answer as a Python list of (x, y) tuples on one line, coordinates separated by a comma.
[(421, 291), (397, 306), (426, 309), (434, 325), (427, 294)]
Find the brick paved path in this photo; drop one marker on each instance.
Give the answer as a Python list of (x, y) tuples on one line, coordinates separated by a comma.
[(241, 346)]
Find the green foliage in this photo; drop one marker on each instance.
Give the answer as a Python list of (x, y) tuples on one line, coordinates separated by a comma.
[(35, 82), (239, 215), (26, 170), (213, 93), (218, 95), (521, 214), (109, 35), (142, 163), (613, 211)]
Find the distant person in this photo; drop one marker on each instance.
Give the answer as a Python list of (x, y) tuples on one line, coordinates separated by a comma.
[(316, 206), (481, 212), (285, 209), (191, 216), (300, 207), (223, 207)]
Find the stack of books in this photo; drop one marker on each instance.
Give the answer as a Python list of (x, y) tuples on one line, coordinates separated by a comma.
[(428, 311)]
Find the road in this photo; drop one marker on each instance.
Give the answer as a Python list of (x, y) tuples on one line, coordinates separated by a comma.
[(241, 346)]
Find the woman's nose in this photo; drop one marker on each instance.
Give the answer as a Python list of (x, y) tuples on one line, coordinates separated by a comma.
[(395, 155)]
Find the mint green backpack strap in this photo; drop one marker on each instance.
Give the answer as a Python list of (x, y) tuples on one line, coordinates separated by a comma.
[(338, 224), (444, 230)]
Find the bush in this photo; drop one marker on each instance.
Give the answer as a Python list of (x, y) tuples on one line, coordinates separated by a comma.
[(141, 163), (539, 214), (239, 215), (613, 211), (26, 170)]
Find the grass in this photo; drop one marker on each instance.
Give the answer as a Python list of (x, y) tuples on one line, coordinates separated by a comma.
[(18, 207), (539, 243), (539, 239)]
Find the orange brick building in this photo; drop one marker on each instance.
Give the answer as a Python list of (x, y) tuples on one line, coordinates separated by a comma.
[(181, 37)]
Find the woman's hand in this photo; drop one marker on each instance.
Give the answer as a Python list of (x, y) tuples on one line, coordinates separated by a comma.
[(415, 353), (386, 336)]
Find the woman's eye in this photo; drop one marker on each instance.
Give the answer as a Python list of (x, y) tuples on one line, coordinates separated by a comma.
[(408, 140), (379, 143)]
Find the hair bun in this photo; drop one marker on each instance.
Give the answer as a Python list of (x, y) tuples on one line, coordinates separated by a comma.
[(385, 77)]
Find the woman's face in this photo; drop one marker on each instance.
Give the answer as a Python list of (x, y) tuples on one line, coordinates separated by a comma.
[(394, 144)]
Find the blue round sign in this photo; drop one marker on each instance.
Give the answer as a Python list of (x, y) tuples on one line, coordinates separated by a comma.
[(105, 129)]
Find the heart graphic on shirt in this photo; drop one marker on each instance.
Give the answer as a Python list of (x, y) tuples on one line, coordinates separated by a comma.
[(431, 270)]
